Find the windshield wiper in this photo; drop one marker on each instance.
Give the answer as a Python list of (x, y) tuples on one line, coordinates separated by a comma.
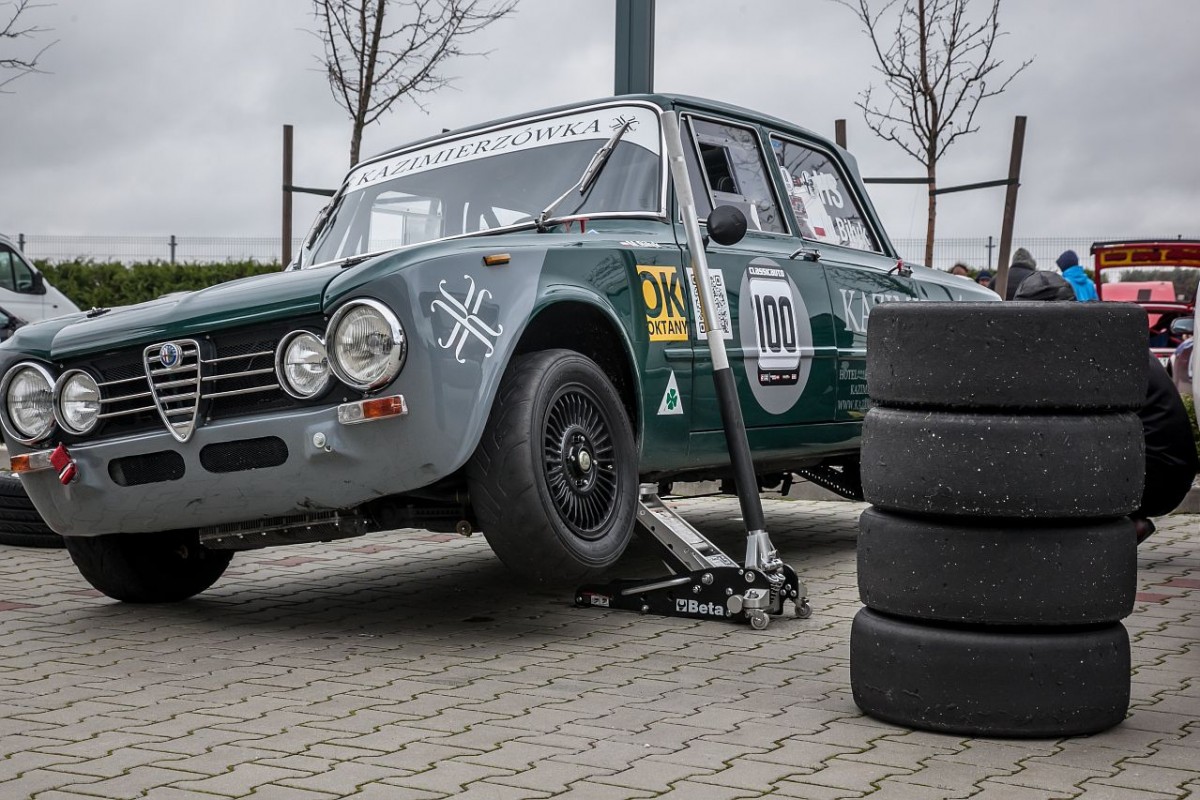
[(322, 220), (589, 177)]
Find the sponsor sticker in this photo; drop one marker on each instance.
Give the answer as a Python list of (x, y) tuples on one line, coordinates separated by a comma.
[(666, 312), (720, 300), (671, 403)]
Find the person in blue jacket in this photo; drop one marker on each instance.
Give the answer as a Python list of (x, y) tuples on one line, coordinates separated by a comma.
[(1081, 284)]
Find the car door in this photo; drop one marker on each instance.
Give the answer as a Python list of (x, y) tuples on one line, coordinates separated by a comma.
[(774, 312), (840, 231)]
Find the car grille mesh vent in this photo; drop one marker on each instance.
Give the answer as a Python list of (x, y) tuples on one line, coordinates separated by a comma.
[(148, 468), (268, 451)]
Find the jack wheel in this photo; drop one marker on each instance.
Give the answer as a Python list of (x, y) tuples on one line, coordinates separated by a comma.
[(759, 620), (803, 609)]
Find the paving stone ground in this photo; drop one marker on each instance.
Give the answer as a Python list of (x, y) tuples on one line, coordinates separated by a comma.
[(410, 665)]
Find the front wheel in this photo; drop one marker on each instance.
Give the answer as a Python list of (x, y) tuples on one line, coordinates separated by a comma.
[(147, 567), (554, 479)]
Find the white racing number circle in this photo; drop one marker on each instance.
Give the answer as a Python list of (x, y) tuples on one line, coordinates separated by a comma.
[(775, 334)]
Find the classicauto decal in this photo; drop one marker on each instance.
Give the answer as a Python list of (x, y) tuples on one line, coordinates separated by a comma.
[(662, 293), (776, 336)]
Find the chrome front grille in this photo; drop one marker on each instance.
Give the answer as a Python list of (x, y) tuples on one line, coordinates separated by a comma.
[(173, 370), (222, 375)]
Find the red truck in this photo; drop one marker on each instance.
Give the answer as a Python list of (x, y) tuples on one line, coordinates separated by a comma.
[(1128, 278)]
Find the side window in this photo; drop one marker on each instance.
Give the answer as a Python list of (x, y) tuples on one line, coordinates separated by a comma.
[(825, 207), (734, 172), (22, 275), (6, 269)]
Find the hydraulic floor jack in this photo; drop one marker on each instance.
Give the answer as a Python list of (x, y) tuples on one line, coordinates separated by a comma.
[(706, 583)]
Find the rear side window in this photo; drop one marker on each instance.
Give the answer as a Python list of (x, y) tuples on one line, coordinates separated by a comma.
[(825, 208), (734, 172)]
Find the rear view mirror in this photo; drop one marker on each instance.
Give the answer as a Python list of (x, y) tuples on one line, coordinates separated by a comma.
[(726, 225), (1182, 325)]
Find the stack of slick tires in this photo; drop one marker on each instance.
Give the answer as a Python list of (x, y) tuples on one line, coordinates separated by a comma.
[(1001, 455)]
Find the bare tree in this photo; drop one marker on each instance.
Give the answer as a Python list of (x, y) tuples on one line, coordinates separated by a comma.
[(12, 29), (938, 66), (378, 51)]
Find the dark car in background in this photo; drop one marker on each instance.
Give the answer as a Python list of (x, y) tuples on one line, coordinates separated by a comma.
[(8, 324)]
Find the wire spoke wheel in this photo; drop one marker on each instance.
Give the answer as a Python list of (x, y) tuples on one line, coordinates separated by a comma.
[(553, 481), (579, 461)]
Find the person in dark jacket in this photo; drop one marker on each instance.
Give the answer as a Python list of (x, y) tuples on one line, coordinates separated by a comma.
[(1020, 267), (1171, 458)]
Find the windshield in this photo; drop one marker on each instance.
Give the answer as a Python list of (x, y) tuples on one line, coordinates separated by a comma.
[(495, 179)]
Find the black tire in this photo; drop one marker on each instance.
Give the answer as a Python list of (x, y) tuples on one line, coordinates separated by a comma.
[(958, 571), (1016, 356), (20, 522), (990, 682), (1015, 466), (548, 516), (148, 567)]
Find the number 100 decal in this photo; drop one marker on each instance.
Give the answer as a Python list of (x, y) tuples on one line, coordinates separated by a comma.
[(776, 336)]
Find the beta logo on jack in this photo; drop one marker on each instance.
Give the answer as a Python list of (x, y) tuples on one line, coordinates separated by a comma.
[(684, 606)]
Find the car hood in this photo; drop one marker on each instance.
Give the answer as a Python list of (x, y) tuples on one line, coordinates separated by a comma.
[(246, 301)]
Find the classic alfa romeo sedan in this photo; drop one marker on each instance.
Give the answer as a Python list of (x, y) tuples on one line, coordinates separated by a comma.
[(494, 329)]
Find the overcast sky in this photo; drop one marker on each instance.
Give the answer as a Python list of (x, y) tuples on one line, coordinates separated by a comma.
[(165, 116)]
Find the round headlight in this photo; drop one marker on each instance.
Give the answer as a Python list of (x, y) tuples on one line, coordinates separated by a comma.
[(366, 344), (302, 364), (78, 401), (29, 402)]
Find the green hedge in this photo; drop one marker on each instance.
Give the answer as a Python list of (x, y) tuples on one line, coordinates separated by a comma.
[(110, 283)]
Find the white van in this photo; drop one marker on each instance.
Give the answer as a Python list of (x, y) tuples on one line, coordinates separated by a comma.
[(24, 292)]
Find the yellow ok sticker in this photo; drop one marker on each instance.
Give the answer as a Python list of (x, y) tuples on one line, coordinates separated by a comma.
[(666, 314)]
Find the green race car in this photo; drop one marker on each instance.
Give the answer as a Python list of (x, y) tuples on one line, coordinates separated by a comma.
[(494, 329)]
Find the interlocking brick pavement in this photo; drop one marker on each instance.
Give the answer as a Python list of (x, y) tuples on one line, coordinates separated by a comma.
[(405, 665)]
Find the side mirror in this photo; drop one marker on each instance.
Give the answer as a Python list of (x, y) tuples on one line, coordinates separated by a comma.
[(726, 225), (38, 283), (1182, 325)]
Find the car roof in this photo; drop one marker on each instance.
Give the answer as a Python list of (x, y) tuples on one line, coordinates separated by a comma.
[(663, 101)]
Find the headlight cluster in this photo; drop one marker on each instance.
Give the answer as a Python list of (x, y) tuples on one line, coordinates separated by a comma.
[(34, 402), (364, 347)]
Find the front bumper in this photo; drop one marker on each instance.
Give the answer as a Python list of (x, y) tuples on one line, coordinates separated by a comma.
[(255, 468)]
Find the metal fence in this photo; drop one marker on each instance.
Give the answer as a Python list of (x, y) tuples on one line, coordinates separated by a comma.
[(979, 252)]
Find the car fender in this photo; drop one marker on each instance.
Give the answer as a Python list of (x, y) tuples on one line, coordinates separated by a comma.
[(464, 323)]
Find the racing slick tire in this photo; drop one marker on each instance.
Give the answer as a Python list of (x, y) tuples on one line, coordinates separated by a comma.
[(554, 482), (1023, 356), (990, 682), (978, 572), (1038, 466), (20, 522), (162, 567)]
